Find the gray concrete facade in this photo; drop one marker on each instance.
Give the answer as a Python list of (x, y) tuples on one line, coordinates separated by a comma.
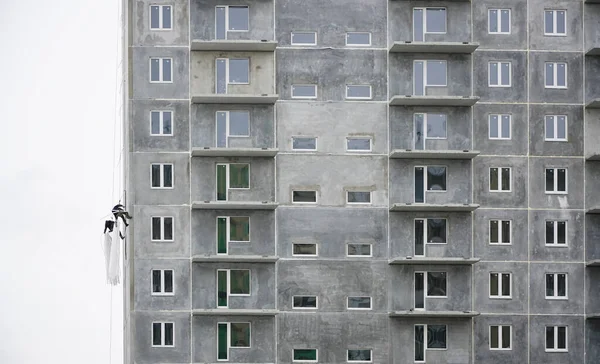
[(323, 271)]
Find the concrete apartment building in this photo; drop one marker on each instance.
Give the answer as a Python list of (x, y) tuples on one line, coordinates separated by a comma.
[(359, 181)]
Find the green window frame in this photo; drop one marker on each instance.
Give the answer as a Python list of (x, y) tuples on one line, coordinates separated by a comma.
[(232, 282), (305, 355), (232, 229)]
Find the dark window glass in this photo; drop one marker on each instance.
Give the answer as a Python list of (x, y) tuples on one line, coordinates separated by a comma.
[(168, 281), (156, 228), (436, 231), (305, 301), (156, 333), (436, 283), (436, 178), (168, 226), (549, 180), (168, 333), (304, 196), (436, 336), (156, 281)]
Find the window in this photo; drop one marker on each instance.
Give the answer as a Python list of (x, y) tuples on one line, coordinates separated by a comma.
[(304, 38), (556, 338), (429, 127), (429, 337), (361, 250), (359, 356), (500, 337), (161, 70), (429, 231), (162, 282), (499, 126), (306, 355), (304, 143), (429, 178), (161, 17), (232, 282), (232, 176), (556, 180), (500, 232), (499, 21), (358, 197), (428, 73), (304, 197), (230, 19), (231, 335), (429, 284), (162, 228), (556, 75), (161, 123), (231, 124), (428, 21), (555, 22), (500, 179), (556, 286), (232, 229), (304, 249), (358, 39), (305, 302), (499, 74), (556, 128), (230, 71), (304, 91), (161, 175), (358, 92), (358, 144), (556, 233), (500, 285), (359, 303), (163, 334)]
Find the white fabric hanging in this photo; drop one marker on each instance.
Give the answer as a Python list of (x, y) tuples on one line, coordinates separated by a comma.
[(112, 254)]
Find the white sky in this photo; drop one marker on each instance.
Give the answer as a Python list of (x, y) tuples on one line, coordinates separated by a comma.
[(57, 69)]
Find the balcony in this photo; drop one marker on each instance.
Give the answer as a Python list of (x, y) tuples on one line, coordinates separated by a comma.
[(221, 258), (234, 312), (234, 152), (234, 45), (409, 260), (434, 314), (234, 205), (433, 154), (426, 207), (434, 47), (433, 100)]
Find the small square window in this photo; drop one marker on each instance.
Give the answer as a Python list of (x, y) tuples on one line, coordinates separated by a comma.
[(436, 284), (161, 176), (500, 126), (556, 128), (556, 233), (163, 334), (358, 197), (556, 339), (161, 123), (428, 73), (162, 228), (436, 178), (304, 143), (358, 39), (359, 303), (358, 92), (304, 249), (231, 124), (304, 91), (555, 75), (500, 337), (304, 38), (305, 302), (500, 179), (499, 74), (161, 17), (230, 19), (162, 282), (358, 250), (161, 70), (556, 180), (555, 22), (500, 285), (500, 232), (429, 337), (299, 196), (428, 21), (239, 282), (499, 21), (556, 286)]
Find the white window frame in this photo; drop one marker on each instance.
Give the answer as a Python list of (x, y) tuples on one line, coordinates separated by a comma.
[(227, 81), (303, 32), (555, 75), (555, 229), (229, 294), (426, 341), (555, 288), (425, 179), (306, 360), (500, 175), (359, 361), (424, 12), (162, 334), (555, 191), (555, 23), (425, 84), (360, 97), (359, 203), (306, 308), (358, 45), (425, 116), (359, 309), (360, 255), (306, 255), (162, 176), (162, 228), (425, 285), (227, 30), (228, 231), (304, 137), (162, 282), (425, 233), (161, 118), (554, 119), (228, 179), (360, 150), (499, 73), (305, 97), (500, 121), (229, 346), (160, 17), (228, 127), (555, 348), (302, 202), (499, 21), (160, 69), (500, 279), (500, 328), (500, 236)]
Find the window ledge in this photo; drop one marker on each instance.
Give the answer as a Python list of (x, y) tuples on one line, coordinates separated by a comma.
[(234, 45), (234, 205), (414, 100), (593, 263), (434, 47), (234, 152), (424, 313), (593, 210), (433, 260), (433, 154), (234, 312), (425, 207)]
